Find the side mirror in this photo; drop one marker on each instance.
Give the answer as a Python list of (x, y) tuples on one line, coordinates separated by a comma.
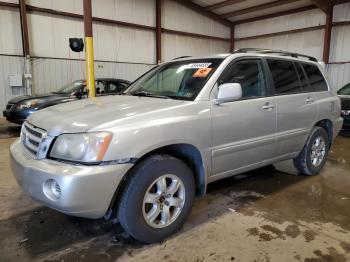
[(229, 92)]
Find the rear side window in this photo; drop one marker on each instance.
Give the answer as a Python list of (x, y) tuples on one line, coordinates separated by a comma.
[(284, 76), (305, 87), (315, 77)]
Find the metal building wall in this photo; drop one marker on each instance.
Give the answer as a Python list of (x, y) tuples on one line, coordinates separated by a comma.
[(178, 17), (10, 48), (53, 64), (340, 48), (310, 43)]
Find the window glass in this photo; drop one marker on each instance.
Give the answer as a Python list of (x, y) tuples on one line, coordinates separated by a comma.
[(250, 74), (305, 87), (284, 76), (116, 87), (316, 79), (177, 79), (345, 90), (100, 87)]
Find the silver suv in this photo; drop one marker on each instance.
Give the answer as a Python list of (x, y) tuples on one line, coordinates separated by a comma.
[(144, 155)]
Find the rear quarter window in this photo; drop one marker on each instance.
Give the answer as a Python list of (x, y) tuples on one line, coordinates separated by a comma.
[(316, 79)]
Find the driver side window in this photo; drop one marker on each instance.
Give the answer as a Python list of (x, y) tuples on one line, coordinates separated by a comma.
[(248, 73)]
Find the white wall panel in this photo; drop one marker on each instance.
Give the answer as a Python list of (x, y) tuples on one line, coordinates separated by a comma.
[(133, 11), (178, 17), (49, 35), (339, 74), (309, 43), (176, 45), (117, 43), (282, 23), (340, 44), (111, 43), (10, 31), (51, 74), (9, 65), (341, 12), (11, 1)]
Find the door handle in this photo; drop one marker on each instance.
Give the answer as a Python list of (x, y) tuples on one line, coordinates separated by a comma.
[(268, 106), (309, 100)]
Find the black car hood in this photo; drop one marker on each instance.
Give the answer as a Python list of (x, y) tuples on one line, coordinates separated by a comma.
[(44, 100), (345, 102), (24, 98)]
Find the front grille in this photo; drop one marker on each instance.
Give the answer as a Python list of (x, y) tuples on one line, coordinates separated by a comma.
[(35, 140), (9, 106)]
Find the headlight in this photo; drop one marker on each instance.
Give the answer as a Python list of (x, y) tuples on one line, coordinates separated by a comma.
[(85, 147), (27, 104), (345, 112)]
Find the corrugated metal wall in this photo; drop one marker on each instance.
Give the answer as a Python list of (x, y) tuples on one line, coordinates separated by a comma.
[(178, 17), (49, 74), (310, 43), (134, 49)]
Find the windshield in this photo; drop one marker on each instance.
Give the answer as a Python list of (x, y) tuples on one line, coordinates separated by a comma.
[(345, 90), (177, 80), (71, 87)]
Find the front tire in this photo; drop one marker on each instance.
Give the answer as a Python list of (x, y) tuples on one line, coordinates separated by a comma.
[(156, 199), (312, 158)]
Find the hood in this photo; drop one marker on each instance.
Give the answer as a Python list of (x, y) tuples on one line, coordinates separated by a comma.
[(30, 97), (345, 102), (83, 115)]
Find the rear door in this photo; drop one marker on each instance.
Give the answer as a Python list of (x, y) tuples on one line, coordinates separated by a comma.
[(295, 103)]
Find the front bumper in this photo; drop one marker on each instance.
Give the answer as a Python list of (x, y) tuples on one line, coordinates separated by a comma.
[(86, 191)]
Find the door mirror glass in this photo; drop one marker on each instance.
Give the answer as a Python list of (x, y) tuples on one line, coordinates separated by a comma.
[(229, 92)]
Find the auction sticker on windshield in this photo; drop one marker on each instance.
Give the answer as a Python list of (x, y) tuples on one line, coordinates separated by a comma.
[(202, 72)]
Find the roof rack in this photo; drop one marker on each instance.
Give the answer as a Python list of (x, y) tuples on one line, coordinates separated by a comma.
[(180, 57), (270, 51)]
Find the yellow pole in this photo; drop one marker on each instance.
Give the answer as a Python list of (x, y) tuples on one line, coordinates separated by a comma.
[(89, 48), (90, 72)]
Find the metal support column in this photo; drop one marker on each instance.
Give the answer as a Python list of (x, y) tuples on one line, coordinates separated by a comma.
[(232, 46), (159, 30), (89, 48), (328, 34), (26, 50)]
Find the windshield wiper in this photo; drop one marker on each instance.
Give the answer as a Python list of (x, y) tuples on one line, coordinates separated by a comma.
[(149, 94)]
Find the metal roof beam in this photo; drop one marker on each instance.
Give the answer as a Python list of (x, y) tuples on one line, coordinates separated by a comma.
[(288, 12), (258, 8), (324, 5), (223, 4), (201, 10)]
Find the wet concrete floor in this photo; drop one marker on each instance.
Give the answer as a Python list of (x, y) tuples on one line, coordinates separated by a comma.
[(269, 214)]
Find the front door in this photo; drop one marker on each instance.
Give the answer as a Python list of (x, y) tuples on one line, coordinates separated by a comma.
[(243, 132)]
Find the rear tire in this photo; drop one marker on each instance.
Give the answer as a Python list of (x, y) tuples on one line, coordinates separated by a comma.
[(312, 158), (157, 198)]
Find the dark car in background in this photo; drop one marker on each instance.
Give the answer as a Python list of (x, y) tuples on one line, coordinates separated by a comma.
[(19, 108), (344, 94)]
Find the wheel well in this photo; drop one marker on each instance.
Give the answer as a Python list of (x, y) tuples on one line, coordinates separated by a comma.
[(328, 126), (191, 156)]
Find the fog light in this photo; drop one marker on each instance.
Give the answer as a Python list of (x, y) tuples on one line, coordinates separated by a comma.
[(52, 189)]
